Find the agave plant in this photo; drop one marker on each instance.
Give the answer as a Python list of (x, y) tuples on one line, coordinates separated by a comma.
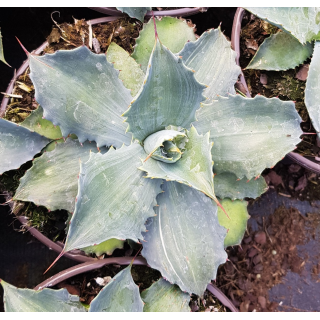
[(146, 163), (298, 40)]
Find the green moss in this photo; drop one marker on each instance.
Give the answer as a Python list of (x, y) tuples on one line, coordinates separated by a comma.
[(289, 87)]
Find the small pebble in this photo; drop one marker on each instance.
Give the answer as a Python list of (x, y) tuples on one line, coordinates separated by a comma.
[(99, 281), (263, 78), (274, 252), (103, 281)]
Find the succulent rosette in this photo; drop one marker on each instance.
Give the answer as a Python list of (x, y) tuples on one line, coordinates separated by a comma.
[(147, 138)]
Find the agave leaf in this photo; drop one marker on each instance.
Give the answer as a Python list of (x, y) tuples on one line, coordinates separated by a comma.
[(249, 134), (227, 185), (35, 122), (114, 199), (121, 294), (135, 12), (185, 239), (237, 224), (193, 169), (280, 51), (1, 52), (45, 300), (214, 63), (105, 247), (165, 297), (81, 92), (312, 93), (170, 96), (153, 144), (302, 22), (173, 32), (130, 72), (18, 145), (52, 181)]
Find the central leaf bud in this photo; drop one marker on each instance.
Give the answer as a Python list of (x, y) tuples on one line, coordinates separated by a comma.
[(165, 145)]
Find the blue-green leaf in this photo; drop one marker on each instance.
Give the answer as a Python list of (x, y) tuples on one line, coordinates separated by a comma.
[(81, 92), (135, 12), (302, 22), (114, 199), (214, 63), (45, 300), (185, 241), (280, 51), (164, 145), (227, 185), (193, 169), (170, 96), (18, 145), (1, 52), (163, 296), (173, 32), (312, 93), (249, 134), (52, 181), (121, 294)]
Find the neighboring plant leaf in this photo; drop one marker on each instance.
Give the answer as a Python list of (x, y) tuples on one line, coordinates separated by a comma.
[(312, 92), (185, 241), (227, 185), (44, 300), (165, 139), (165, 297), (193, 169), (135, 12), (105, 247), (214, 63), (35, 122), (80, 91), (52, 181), (121, 294), (170, 96), (281, 51), (130, 72), (302, 22), (249, 134), (114, 199), (18, 145), (237, 224), (1, 52), (173, 33)]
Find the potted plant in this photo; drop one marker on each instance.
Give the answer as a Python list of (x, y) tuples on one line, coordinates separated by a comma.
[(168, 167)]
